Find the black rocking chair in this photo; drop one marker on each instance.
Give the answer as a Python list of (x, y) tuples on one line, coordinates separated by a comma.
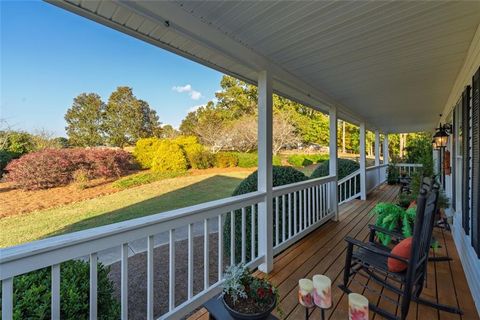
[(370, 260)]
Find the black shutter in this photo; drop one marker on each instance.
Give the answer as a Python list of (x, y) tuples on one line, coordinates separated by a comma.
[(475, 213), (466, 160), (453, 162)]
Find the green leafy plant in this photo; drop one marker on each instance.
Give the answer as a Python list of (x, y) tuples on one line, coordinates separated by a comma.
[(393, 218), (32, 293)]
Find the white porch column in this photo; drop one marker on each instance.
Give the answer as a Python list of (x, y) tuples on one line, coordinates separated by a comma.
[(377, 148), (363, 174), (385, 149), (265, 208), (333, 150)]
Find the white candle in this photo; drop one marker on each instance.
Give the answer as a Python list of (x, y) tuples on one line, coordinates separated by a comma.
[(357, 307), (305, 292), (322, 296)]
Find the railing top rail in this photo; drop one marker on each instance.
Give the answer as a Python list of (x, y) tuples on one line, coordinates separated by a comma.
[(288, 188), (408, 165), (147, 224), (376, 167), (350, 176)]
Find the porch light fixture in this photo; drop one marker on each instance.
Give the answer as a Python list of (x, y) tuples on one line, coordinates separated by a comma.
[(440, 138)]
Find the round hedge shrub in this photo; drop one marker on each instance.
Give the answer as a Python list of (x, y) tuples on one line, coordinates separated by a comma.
[(32, 293), (145, 150), (281, 176), (199, 157), (169, 157), (226, 160), (344, 168)]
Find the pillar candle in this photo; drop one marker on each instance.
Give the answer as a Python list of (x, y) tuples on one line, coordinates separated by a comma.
[(357, 307), (322, 294), (305, 292)]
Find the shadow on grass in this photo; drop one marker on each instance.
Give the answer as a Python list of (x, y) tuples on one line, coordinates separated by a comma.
[(213, 188)]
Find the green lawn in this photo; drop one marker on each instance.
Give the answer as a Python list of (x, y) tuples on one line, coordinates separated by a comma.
[(131, 203)]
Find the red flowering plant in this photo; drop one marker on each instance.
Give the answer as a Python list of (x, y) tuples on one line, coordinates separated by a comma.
[(247, 294)]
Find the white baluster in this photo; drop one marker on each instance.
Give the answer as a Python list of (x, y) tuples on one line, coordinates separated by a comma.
[(284, 213), (124, 282), (56, 291), (220, 248), (276, 220), (171, 278), (93, 286), (232, 238), (7, 299), (206, 262), (150, 252), (190, 261), (244, 235)]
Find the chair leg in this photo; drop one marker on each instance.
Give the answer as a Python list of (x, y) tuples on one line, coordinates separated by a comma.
[(348, 265)]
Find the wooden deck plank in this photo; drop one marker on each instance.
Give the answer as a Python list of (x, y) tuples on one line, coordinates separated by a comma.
[(463, 294), (324, 250)]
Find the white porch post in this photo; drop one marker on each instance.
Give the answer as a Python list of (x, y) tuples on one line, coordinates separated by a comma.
[(385, 149), (333, 150), (363, 174), (377, 148), (265, 208)]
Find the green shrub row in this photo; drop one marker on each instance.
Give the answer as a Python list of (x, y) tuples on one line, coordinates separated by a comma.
[(303, 160), (32, 293)]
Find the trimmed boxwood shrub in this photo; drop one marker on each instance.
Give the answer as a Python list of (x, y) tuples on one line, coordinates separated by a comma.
[(344, 168), (169, 157), (281, 176), (226, 160), (250, 160), (50, 168), (303, 160), (32, 293)]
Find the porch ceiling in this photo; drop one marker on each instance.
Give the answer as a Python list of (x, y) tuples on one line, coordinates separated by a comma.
[(390, 64)]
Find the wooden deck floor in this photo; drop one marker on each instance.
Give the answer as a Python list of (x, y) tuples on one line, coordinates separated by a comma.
[(323, 252)]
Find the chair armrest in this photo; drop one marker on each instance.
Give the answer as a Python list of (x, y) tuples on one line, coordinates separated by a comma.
[(354, 242), (396, 235)]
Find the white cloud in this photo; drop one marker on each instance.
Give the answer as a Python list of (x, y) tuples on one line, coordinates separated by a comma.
[(195, 95)]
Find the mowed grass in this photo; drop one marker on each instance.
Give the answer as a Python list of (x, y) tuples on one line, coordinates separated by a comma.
[(127, 204)]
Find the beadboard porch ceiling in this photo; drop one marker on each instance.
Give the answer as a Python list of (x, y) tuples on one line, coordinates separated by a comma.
[(390, 64)]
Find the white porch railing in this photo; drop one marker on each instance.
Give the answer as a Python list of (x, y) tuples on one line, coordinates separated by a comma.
[(409, 168), (298, 209), (349, 187), (375, 176)]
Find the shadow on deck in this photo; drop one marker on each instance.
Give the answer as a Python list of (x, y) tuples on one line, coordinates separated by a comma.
[(323, 252)]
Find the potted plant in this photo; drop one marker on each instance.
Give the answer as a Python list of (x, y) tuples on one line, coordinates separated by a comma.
[(393, 218), (247, 297)]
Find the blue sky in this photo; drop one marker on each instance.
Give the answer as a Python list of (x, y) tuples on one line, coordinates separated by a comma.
[(49, 56)]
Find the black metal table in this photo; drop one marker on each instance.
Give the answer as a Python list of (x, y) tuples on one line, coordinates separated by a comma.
[(217, 310)]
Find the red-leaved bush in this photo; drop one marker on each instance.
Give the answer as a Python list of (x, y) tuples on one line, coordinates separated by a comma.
[(56, 167)]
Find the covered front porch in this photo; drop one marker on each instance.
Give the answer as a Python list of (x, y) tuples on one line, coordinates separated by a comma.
[(324, 250), (386, 67)]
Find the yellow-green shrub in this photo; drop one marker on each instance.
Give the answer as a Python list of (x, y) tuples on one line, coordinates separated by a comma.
[(226, 160), (169, 157), (145, 150), (197, 156)]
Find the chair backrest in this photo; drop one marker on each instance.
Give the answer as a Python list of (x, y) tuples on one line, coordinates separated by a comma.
[(427, 203)]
